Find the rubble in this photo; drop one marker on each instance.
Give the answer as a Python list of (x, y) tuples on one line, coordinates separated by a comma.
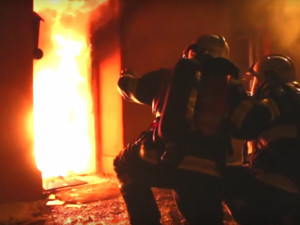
[(96, 202)]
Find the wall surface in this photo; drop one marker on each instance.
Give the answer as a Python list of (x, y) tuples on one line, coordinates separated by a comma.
[(106, 60), (20, 179)]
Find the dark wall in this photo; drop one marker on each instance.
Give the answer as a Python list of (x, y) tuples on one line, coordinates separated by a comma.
[(20, 179)]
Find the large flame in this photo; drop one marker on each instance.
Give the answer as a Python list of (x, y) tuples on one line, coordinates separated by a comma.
[(63, 109)]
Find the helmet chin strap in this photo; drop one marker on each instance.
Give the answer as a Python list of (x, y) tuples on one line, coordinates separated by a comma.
[(253, 85)]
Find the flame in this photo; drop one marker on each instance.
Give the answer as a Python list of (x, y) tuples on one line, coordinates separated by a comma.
[(64, 136)]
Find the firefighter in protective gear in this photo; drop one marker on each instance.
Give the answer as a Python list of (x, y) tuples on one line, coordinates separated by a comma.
[(196, 105), (198, 195), (267, 191)]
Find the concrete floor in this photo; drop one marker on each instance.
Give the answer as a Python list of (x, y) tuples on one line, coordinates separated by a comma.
[(85, 200)]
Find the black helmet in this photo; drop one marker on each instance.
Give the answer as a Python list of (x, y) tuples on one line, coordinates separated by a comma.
[(274, 66), (213, 44)]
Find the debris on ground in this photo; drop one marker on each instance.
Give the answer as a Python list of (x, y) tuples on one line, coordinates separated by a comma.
[(87, 200)]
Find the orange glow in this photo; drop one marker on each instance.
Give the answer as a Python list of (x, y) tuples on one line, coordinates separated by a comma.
[(63, 110), (111, 106)]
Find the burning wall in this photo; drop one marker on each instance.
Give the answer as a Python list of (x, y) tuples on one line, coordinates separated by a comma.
[(67, 115), (64, 120)]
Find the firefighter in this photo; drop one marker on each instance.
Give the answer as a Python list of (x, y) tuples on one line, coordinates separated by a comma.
[(142, 164), (266, 189)]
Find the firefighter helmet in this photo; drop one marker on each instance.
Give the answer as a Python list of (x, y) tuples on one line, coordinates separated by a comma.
[(275, 67), (213, 44), (272, 67)]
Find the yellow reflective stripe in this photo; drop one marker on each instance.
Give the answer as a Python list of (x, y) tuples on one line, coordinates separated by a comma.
[(272, 106), (191, 163), (240, 113), (275, 133), (200, 165), (191, 104), (278, 181), (149, 155)]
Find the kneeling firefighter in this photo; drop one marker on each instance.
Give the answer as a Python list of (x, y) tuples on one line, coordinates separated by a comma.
[(146, 163), (266, 191)]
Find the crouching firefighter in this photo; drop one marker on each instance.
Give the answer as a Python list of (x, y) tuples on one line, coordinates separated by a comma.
[(266, 190), (165, 155), (194, 127)]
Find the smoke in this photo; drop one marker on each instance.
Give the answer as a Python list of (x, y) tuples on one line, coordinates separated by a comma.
[(285, 26), (272, 24), (105, 12), (283, 21), (69, 18), (279, 18)]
